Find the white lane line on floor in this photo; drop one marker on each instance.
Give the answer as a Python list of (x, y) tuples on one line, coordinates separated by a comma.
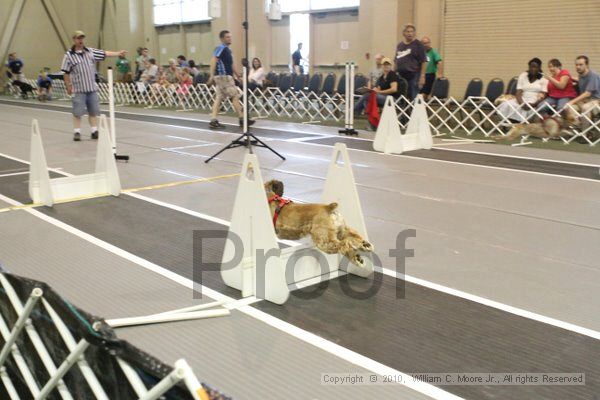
[(421, 282), (462, 163), (522, 157), (494, 304), (14, 174), (455, 292), (308, 142), (57, 170), (307, 337)]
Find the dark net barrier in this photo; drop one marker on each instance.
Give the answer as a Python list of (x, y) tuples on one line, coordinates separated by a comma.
[(102, 355)]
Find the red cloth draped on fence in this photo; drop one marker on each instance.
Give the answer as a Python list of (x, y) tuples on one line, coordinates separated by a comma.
[(372, 110)]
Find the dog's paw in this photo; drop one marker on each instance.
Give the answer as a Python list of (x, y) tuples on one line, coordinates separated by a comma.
[(358, 260), (366, 246)]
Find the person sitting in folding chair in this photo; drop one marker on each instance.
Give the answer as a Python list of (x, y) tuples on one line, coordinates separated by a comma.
[(589, 97), (44, 84), (387, 85), (531, 90)]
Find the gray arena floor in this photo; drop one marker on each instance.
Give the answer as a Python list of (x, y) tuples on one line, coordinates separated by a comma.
[(505, 276)]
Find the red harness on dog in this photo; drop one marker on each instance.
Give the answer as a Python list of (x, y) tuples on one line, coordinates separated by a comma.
[(281, 202)]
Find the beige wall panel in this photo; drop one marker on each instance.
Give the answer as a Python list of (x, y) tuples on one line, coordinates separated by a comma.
[(5, 8), (200, 37), (428, 20), (36, 43), (328, 33), (260, 33), (490, 38), (169, 44), (383, 25), (280, 42)]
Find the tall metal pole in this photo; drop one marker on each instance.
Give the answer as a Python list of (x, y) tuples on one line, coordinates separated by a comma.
[(245, 85)]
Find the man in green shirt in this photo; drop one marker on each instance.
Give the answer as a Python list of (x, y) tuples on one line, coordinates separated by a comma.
[(123, 68), (434, 66)]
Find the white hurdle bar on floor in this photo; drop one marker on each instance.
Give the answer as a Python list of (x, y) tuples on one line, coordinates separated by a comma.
[(182, 371)]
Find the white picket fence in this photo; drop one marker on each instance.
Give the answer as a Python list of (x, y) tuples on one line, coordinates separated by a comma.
[(473, 115)]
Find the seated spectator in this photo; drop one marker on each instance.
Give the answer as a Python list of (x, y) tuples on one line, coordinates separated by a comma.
[(256, 75), (15, 65), (161, 78), (44, 84), (141, 62), (387, 85), (184, 79), (193, 69), (589, 92), (376, 72), (171, 71), (123, 68), (150, 72), (560, 86), (181, 61), (531, 90)]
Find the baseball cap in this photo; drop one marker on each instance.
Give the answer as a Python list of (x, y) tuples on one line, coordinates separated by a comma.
[(77, 34), (386, 60)]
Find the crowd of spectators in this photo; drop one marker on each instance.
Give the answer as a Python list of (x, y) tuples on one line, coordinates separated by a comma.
[(413, 69)]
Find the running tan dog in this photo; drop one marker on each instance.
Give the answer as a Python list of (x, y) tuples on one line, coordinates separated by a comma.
[(323, 222), (548, 128)]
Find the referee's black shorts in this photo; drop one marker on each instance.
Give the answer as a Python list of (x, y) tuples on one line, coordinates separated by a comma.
[(428, 86)]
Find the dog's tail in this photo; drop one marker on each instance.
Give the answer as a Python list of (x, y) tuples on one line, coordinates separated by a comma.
[(331, 207)]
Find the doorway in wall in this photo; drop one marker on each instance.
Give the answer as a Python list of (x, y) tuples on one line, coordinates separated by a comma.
[(300, 33)]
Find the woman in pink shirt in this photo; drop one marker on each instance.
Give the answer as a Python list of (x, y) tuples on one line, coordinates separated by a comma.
[(560, 86)]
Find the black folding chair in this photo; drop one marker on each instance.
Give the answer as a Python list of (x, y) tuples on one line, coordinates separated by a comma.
[(359, 81), (474, 89), (299, 82), (511, 88), (494, 89), (285, 82), (273, 79), (441, 88), (314, 84), (341, 87), (329, 84)]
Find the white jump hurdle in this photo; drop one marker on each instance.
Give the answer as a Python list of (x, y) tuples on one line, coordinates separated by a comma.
[(390, 140), (270, 278), (104, 181)]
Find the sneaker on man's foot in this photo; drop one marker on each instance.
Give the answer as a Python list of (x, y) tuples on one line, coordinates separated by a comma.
[(95, 135), (77, 137), (215, 124), (250, 122)]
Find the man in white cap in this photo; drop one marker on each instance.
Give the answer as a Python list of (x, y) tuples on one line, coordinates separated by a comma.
[(79, 66)]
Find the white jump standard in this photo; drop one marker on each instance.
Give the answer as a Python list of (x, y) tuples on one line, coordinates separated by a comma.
[(104, 181), (390, 140), (263, 269)]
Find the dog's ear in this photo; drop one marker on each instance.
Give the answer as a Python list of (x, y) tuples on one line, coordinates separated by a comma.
[(277, 187), (274, 186)]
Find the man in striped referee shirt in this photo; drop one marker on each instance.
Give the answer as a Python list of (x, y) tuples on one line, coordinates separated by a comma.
[(79, 66)]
